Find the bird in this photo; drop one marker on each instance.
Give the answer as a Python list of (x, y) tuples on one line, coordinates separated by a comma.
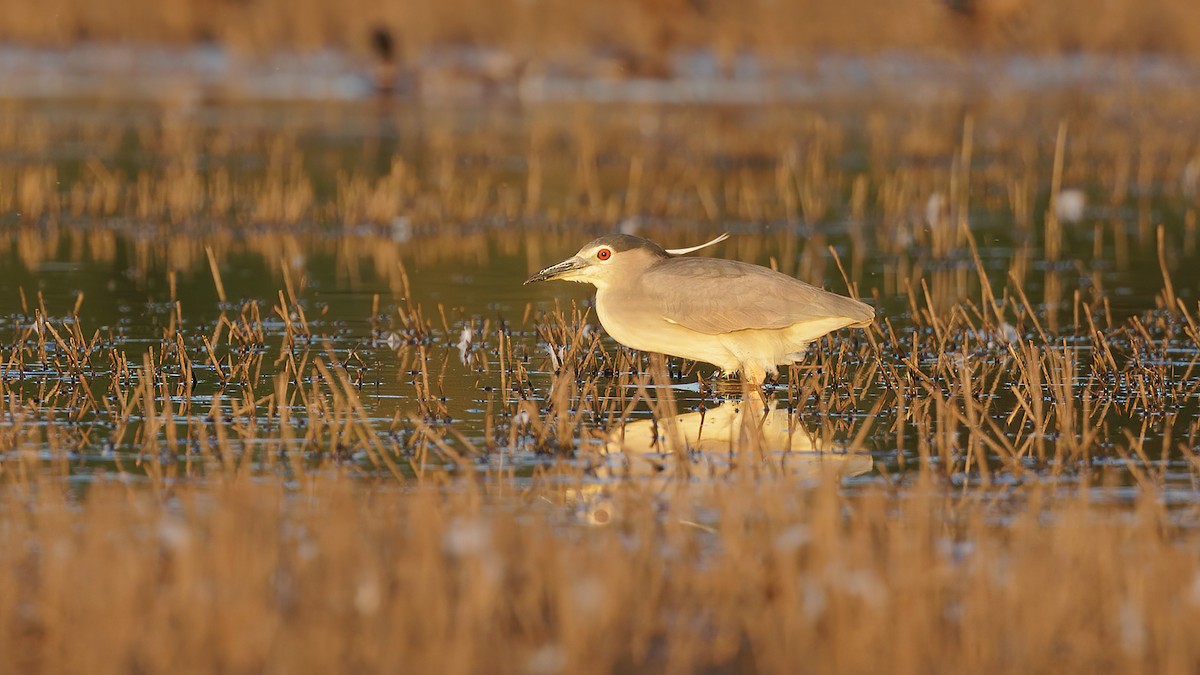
[(740, 317)]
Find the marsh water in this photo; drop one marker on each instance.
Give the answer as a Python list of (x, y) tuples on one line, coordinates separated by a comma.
[(399, 234)]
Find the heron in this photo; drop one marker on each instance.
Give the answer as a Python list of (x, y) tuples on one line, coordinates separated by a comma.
[(740, 317)]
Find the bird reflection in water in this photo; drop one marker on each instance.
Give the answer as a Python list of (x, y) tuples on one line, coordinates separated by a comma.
[(714, 443)]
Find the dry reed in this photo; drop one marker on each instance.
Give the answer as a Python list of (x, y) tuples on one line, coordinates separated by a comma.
[(483, 576), (223, 484)]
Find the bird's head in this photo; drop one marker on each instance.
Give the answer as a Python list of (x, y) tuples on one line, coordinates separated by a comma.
[(604, 259), (613, 256)]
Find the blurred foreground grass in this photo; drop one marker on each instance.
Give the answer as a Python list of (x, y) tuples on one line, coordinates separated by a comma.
[(764, 575)]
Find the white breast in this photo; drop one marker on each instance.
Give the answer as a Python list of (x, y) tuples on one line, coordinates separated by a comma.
[(648, 332)]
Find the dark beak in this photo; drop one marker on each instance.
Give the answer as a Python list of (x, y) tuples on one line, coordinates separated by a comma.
[(556, 271)]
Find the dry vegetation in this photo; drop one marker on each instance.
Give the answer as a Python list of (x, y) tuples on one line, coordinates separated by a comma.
[(227, 493), (640, 34), (480, 576)]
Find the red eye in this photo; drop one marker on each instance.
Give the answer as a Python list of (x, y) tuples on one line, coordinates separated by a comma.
[(604, 254)]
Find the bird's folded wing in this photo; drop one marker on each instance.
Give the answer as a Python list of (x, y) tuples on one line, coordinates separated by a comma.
[(716, 296)]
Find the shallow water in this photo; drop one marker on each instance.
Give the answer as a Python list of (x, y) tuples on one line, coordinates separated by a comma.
[(881, 183)]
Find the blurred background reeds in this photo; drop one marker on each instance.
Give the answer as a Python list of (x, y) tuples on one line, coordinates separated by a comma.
[(643, 33)]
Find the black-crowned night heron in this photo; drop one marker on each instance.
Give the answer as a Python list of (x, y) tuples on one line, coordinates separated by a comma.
[(734, 315)]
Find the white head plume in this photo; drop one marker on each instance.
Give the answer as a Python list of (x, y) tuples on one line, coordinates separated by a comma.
[(692, 249)]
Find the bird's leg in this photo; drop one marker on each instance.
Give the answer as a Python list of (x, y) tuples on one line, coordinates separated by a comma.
[(755, 376)]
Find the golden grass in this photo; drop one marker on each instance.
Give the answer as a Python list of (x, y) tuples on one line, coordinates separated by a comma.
[(225, 494), (484, 576), (640, 34), (599, 165)]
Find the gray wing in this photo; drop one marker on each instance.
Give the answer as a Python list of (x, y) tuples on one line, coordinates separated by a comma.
[(713, 296)]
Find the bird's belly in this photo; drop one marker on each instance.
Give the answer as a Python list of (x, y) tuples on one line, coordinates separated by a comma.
[(648, 333)]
